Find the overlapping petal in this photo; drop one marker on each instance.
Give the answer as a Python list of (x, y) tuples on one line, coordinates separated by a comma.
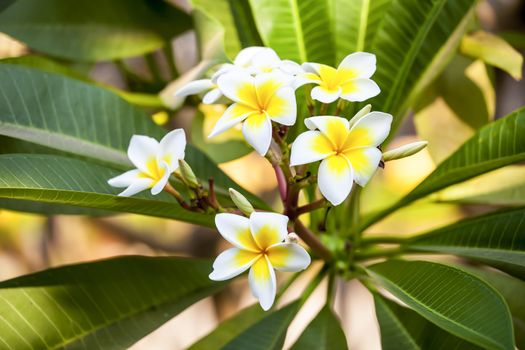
[(362, 63), (172, 147), (236, 230), (288, 257), (142, 151), (309, 147), (334, 128), (262, 282), (268, 228), (233, 115), (164, 172), (335, 178), (325, 95), (364, 161), (257, 130), (136, 187), (358, 90), (370, 130), (232, 262), (282, 107), (239, 86)]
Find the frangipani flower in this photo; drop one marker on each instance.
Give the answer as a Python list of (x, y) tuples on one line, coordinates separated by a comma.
[(155, 162), (260, 247), (348, 150), (258, 101), (350, 81)]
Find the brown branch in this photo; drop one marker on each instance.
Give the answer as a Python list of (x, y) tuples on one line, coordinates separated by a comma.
[(313, 242), (320, 203), (168, 188)]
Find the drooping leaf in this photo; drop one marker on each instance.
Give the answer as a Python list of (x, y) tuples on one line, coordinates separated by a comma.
[(493, 50), (230, 328), (106, 304), (267, 334), (42, 208), (60, 180), (296, 30), (245, 23), (323, 333), (505, 187), (402, 328), (413, 43), (75, 117), (93, 30), (496, 237), (451, 298)]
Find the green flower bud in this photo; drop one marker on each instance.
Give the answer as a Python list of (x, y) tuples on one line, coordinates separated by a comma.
[(404, 151), (241, 202), (187, 174)]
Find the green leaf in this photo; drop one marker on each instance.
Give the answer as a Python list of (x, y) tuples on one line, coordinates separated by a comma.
[(493, 50), (229, 329), (47, 209), (453, 299), (413, 43), (323, 333), (267, 334), (355, 24), (402, 328), (245, 23), (61, 180), (505, 187), (105, 304), (75, 117), (296, 30), (496, 237), (93, 30)]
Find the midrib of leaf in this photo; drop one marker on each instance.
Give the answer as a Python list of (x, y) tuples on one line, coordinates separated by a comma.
[(363, 21), (299, 31), (411, 299), (410, 55)]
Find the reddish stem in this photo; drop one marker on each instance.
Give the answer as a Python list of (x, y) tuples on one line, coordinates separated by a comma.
[(281, 181)]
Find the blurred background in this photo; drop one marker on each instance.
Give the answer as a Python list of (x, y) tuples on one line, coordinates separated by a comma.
[(31, 242)]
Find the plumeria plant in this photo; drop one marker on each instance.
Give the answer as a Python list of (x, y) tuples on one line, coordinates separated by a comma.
[(325, 97)]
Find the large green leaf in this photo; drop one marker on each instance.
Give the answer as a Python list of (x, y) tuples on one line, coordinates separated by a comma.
[(413, 43), (496, 237), (93, 30), (323, 333), (229, 329), (76, 117), (296, 30), (453, 299), (108, 304), (402, 328), (267, 334), (60, 180)]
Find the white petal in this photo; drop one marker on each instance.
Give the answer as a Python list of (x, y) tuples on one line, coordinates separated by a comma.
[(232, 262), (195, 87), (288, 257), (371, 130), (291, 67), (212, 96), (161, 183), (225, 68), (263, 283), (363, 63), (365, 161), (244, 57), (236, 230), (319, 93), (335, 179), (232, 116), (136, 187), (265, 60), (283, 107), (311, 67), (362, 90), (268, 228), (334, 128), (142, 149), (172, 148), (309, 147), (257, 130), (125, 179), (239, 86), (362, 112)]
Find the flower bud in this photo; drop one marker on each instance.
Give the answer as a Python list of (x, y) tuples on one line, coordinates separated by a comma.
[(241, 202), (187, 174), (404, 151)]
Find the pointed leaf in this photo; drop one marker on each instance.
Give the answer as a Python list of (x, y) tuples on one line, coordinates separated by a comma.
[(105, 304), (93, 30), (323, 333), (402, 328), (453, 299)]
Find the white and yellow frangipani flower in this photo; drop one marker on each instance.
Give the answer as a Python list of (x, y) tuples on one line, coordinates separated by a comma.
[(155, 162), (258, 101), (350, 81), (348, 150), (259, 245)]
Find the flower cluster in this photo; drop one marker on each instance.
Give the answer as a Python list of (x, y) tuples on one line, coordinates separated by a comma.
[(260, 91)]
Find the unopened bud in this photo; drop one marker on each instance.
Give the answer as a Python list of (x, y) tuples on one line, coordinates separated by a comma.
[(404, 151), (187, 174), (241, 202)]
